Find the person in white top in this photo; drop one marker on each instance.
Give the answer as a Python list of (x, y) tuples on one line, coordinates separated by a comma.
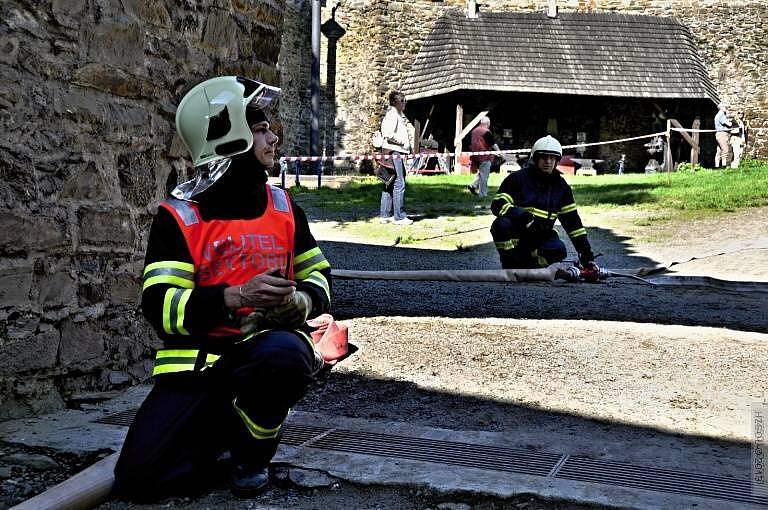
[(394, 129)]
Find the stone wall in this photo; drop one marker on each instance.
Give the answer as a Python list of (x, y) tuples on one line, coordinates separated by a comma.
[(384, 36), (87, 150)]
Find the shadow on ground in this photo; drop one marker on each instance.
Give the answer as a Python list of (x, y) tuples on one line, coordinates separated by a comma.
[(616, 299)]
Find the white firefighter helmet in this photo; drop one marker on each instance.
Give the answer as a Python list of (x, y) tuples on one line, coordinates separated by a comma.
[(547, 145), (211, 118)]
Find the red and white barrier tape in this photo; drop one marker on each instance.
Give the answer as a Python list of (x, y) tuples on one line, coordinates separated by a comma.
[(361, 157)]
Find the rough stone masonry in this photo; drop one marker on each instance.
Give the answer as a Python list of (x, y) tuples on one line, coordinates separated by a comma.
[(87, 150)]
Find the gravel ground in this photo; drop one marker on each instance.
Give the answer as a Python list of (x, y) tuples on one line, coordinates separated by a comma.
[(614, 356)]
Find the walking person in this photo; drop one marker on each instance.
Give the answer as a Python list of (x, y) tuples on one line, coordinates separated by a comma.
[(394, 129), (723, 126), (482, 140), (232, 273)]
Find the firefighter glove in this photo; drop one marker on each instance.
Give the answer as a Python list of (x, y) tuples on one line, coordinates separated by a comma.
[(587, 258), (253, 322), (292, 314), (539, 229)]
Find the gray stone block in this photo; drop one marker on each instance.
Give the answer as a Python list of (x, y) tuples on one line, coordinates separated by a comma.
[(106, 228), (113, 81), (119, 43), (150, 11), (82, 346), (58, 289), (125, 289), (22, 234), (9, 50), (86, 183), (221, 33), (30, 354), (15, 286)]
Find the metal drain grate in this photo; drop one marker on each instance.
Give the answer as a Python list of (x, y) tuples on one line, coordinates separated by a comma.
[(584, 469), (443, 452), (123, 418), (510, 460)]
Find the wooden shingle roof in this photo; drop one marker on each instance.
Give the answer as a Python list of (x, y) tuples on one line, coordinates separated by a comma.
[(595, 54)]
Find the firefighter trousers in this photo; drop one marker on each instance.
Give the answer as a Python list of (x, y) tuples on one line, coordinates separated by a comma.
[(519, 249), (189, 419)]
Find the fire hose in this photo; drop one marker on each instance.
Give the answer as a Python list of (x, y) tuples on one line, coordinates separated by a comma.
[(575, 273)]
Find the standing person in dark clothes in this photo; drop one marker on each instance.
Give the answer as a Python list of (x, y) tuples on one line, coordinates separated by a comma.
[(482, 140), (231, 275), (527, 204)]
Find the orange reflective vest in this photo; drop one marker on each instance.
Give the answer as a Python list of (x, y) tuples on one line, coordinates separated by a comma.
[(231, 252)]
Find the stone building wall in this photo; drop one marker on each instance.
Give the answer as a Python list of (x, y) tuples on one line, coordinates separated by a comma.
[(87, 150), (384, 36)]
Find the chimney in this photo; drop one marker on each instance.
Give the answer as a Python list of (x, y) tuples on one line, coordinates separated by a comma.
[(472, 9), (552, 8)]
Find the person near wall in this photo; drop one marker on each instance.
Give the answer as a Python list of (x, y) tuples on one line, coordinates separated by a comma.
[(526, 206), (738, 138), (394, 129), (232, 273), (723, 127), (482, 140)]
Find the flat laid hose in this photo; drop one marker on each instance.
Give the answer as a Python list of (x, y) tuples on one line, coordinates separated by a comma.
[(86, 489)]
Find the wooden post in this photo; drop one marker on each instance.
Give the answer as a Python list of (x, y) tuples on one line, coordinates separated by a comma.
[(695, 150), (416, 136), (457, 139)]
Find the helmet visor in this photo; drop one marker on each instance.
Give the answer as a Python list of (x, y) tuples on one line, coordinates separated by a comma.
[(260, 96)]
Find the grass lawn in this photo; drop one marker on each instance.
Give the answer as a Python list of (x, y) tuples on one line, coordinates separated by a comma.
[(451, 209)]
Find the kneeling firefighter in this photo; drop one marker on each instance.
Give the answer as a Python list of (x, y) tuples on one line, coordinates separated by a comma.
[(232, 273), (528, 203)]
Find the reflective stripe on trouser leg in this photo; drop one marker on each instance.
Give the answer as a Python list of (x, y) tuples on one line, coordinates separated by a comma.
[(256, 430)]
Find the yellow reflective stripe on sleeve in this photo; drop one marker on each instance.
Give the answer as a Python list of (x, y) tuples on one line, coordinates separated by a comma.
[(257, 431), (210, 359), (568, 208), (180, 360), (301, 257), (506, 197), (178, 274), (506, 245), (540, 213), (310, 260), (170, 280), (174, 302), (174, 360), (505, 208), (170, 264), (180, 311), (578, 232), (318, 279)]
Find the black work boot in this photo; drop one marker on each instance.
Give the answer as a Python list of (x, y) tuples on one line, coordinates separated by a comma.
[(249, 474), (248, 481)]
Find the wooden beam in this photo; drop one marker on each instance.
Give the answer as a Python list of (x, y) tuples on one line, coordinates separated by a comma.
[(474, 122), (457, 138), (695, 149), (688, 138), (416, 136)]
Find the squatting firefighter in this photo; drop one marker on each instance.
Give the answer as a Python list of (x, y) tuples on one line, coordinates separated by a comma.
[(232, 273), (527, 204)]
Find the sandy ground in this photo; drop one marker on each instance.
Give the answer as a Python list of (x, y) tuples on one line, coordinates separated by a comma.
[(615, 355)]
